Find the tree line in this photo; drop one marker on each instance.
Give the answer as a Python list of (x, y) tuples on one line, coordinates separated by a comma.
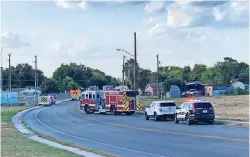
[(66, 77), (72, 76), (221, 72)]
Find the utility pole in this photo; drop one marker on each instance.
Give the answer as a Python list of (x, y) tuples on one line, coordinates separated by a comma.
[(9, 78), (123, 62), (157, 57), (9, 74), (1, 69), (134, 84), (35, 79)]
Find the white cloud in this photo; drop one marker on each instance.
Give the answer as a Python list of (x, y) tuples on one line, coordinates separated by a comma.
[(11, 39), (77, 47), (155, 6), (64, 3), (69, 4), (83, 4)]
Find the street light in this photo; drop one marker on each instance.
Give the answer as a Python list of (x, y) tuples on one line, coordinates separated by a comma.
[(125, 52), (123, 65)]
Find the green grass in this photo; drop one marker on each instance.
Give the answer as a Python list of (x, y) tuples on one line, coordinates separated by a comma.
[(14, 143)]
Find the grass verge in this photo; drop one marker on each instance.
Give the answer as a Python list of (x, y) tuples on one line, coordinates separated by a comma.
[(73, 145), (14, 143)]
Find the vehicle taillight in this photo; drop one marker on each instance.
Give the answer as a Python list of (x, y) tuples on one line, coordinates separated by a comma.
[(160, 109)]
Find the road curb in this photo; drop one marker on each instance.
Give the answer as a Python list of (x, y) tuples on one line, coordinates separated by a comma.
[(18, 123), (221, 122)]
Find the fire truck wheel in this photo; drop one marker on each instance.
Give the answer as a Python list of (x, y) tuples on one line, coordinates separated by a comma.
[(87, 109), (113, 110)]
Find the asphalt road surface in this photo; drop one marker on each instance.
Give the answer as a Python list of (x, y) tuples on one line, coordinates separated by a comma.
[(133, 136)]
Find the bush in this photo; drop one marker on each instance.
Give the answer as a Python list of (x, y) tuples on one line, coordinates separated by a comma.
[(239, 91)]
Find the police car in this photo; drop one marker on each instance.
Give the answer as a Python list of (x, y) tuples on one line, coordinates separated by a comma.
[(195, 110), (160, 110)]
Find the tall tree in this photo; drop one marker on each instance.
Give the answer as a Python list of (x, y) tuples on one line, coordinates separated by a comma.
[(128, 70), (144, 77), (50, 85), (197, 71), (186, 73), (68, 83)]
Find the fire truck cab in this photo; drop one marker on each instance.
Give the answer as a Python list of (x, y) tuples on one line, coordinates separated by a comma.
[(115, 102)]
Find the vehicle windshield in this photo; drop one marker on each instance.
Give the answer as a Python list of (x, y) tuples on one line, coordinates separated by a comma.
[(203, 105), (167, 104)]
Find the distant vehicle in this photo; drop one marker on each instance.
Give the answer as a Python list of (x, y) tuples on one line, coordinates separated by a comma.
[(46, 100), (75, 94), (194, 110), (115, 102), (160, 110)]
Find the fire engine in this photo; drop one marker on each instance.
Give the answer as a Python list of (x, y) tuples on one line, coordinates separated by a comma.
[(115, 102)]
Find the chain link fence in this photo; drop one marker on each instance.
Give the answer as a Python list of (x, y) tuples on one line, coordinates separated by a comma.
[(15, 99)]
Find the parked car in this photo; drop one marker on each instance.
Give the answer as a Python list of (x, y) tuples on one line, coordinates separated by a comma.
[(160, 110), (194, 111)]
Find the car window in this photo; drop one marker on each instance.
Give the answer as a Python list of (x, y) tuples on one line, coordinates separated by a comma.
[(97, 96), (185, 105), (167, 104), (203, 105), (181, 106), (93, 96), (190, 106), (90, 95)]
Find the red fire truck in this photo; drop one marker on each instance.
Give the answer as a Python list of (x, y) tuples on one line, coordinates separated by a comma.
[(115, 102)]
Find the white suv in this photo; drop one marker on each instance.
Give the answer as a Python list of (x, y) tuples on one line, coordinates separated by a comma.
[(161, 110)]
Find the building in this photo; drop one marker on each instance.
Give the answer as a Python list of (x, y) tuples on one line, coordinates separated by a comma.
[(238, 84), (217, 89), (197, 85), (174, 92), (152, 89)]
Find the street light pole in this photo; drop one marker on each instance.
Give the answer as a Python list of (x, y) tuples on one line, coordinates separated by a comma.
[(134, 62), (123, 71), (157, 56)]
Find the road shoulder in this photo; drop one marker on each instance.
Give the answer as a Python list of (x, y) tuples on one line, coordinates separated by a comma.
[(17, 121)]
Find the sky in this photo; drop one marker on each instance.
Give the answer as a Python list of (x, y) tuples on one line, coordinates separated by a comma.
[(89, 32)]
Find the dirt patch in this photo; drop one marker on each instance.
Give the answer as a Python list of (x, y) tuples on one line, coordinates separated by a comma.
[(226, 107)]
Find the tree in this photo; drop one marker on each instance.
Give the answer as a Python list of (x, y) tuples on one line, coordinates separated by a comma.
[(82, 75), (128, 70), (50, 85), (197, 71), (208, 76), (226, 70), (186, 73), (21, 76), (144, 77), (244, 76), (68, 83)]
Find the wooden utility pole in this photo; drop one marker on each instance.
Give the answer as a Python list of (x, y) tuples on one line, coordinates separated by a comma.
[(36, 79), (9, 74), (1, 70), (123, 65), (134, 84), (157, 57)]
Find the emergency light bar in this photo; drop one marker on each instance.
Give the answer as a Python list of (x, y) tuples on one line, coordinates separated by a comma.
[(194, 99)]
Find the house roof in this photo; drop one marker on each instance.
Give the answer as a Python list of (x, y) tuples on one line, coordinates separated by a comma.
[(194, 82), (16, 89), (155, 85)]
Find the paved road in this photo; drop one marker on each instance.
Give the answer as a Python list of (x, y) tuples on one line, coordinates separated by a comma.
[(132, 136)]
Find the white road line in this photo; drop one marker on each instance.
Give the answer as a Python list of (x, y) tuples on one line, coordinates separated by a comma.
[(101, 143)]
